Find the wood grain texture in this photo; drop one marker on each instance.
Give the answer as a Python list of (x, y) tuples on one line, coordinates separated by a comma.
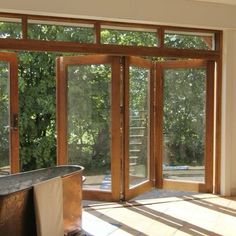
[(209, 125)]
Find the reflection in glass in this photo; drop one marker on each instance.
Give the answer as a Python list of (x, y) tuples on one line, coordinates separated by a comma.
[(4, 119), (89, 119), (184, 124), (138, 125)]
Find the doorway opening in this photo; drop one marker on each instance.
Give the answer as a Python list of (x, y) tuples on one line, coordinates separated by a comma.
[(135, 124)]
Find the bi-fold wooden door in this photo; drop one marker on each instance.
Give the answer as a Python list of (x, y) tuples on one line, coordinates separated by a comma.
[(103, 123), (138, 129), (88, 121), (9, 137), (119, 118), (185, 124)]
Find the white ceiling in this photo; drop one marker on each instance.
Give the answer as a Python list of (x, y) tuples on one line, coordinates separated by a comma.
[(231, 2)]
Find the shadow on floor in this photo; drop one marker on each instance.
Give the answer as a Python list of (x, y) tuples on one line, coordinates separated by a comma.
[(99, 215)]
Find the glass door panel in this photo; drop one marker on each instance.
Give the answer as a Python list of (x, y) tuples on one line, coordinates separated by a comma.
[(88, 121), (187, 129), (9, 162), (138, 161)]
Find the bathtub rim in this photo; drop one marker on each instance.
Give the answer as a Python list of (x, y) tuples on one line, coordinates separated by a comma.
[(79, 170)]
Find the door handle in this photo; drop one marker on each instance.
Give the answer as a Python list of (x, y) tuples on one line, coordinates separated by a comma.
[(14, 124)]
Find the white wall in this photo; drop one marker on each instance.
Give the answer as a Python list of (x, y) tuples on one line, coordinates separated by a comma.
[(179, 12), (229, 115), (172, 12)]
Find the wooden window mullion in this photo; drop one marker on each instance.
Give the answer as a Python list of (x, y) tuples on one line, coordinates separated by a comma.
[(24, 21)]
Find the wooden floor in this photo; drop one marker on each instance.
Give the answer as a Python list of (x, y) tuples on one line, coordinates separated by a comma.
[(163, 213)]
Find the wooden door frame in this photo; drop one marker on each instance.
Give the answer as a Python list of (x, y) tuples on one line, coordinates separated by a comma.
[(207, 186), (27, 44), (11, 59), (148, 184), (61, 116)]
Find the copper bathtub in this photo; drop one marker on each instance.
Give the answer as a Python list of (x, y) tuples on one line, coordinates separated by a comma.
[(17, 217)]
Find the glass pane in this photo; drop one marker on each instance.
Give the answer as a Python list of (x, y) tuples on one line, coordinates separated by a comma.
[(10, 28), (138, 125), (64, 32), (184, 124), (189, 40), (4, 119), (89, 119), (132, 37)]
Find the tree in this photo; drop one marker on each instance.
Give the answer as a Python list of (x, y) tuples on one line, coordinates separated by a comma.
[(184, 116), (10, 30), (37, 109), (89, 116)]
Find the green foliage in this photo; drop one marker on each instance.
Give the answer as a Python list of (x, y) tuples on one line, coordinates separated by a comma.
[(4, 131), (89, 116), (185, 41), (184, 112), (10, 30), (138, 84), (125, 37), (37, 109), (61, 33)]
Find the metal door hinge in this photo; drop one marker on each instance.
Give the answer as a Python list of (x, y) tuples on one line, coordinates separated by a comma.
[(14, 124)]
